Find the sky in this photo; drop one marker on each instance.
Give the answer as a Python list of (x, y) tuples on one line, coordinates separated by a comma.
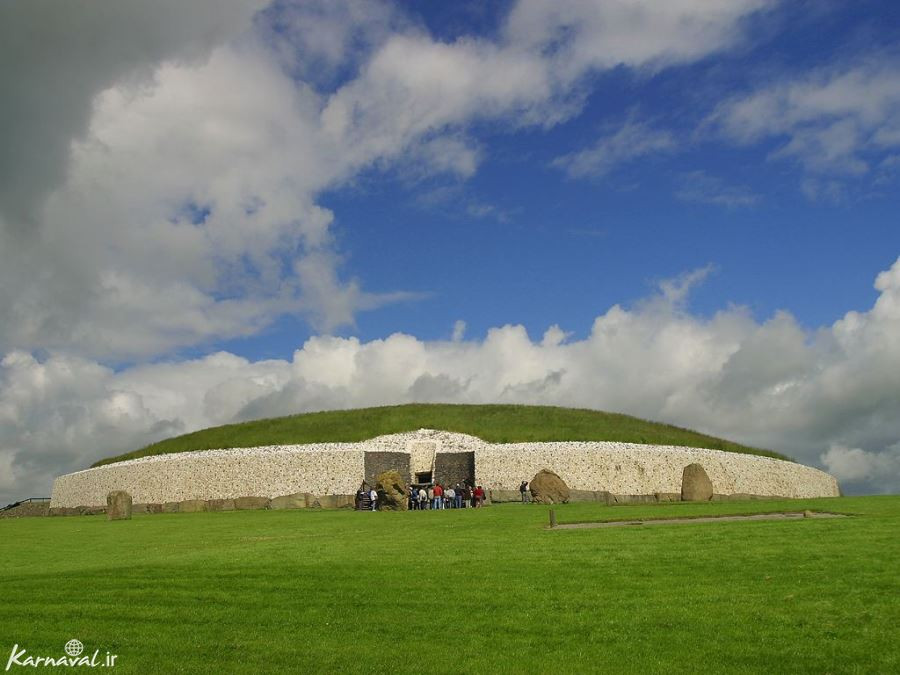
[(219, 210)]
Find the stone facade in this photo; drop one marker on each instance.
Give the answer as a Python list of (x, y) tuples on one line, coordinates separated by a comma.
[(324, 469)]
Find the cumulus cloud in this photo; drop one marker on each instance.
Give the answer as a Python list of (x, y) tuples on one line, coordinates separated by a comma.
[(834, 121), (55, 57), (827, 397), (163, 162), (860, 470)]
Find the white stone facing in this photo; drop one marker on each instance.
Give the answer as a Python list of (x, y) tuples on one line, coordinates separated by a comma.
[(338, 468)]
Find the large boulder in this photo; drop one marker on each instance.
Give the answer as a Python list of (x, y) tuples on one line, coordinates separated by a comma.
[(118, 505), (548, 488), (695, 484), (391, 490)]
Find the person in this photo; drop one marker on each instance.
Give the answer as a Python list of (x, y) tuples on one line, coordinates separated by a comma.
[(438, 496), (451, 498), (430, 497), (411, 496), (479, 496), (373, 495), (523, 488), (459, 495), (423, 499)]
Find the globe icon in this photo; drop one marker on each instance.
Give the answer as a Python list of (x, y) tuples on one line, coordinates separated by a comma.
[(74, 647)]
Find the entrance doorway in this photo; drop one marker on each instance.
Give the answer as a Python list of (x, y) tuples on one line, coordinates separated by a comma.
[(423, 477)]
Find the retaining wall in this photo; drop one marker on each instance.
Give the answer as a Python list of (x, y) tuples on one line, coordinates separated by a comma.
[(338, 469)]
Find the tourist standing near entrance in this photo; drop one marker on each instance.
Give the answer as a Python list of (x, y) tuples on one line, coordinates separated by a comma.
[(523, 488), (479, 496), (451, 497), (438, 496), (373, 495), (459, 495), (423, 499)]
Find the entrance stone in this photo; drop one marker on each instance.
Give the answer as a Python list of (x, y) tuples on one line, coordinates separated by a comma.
[(391, 490)]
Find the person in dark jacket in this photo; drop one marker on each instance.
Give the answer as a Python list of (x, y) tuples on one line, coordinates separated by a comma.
[(523, 488)]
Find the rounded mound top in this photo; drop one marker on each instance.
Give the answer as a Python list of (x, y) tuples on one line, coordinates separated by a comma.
[(491, 423)]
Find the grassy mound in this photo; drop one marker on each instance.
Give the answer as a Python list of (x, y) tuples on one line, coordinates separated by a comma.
[(487, 590), (492, 423)]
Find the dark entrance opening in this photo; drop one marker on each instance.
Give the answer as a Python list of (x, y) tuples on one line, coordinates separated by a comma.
[(423, 477)]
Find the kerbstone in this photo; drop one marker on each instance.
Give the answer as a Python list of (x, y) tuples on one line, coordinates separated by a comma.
[(299, 500), (251, 503), (192, 506)]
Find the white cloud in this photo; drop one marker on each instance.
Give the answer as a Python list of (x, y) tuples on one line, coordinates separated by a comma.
[(459, 330), (631, 141), (836, 120), (703, 188), (55, 57), (174, 198), (580, 36), (827, 397), (855, 466)]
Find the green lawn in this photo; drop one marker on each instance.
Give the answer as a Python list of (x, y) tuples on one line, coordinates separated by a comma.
[(493, 423), (470, 591)]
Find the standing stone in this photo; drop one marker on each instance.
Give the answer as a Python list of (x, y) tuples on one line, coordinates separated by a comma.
[(548, 488), (695, 484), (118, 505), (391, 490)]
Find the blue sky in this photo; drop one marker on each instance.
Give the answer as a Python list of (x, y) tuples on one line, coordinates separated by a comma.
[(684, 211), (519, 241)]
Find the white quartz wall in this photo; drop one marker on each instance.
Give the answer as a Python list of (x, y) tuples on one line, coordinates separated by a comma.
[(633, 469), (338, 468), (217, 474)]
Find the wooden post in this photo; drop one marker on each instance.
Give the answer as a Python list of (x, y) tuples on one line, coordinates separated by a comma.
[(552, 518)]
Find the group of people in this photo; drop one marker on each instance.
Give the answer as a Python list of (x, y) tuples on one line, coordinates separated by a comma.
[(437, 497), (366, 498)]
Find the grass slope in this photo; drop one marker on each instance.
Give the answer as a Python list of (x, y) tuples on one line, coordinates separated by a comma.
[(462, 591), (492, 423)]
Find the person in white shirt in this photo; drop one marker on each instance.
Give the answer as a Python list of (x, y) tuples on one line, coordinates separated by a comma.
[(450, 497), (373, 495)]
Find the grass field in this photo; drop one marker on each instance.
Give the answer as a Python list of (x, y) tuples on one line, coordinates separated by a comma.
[(492, 423), (487, 590)]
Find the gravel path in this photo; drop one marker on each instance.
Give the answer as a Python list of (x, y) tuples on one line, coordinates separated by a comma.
[(797, 515)]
